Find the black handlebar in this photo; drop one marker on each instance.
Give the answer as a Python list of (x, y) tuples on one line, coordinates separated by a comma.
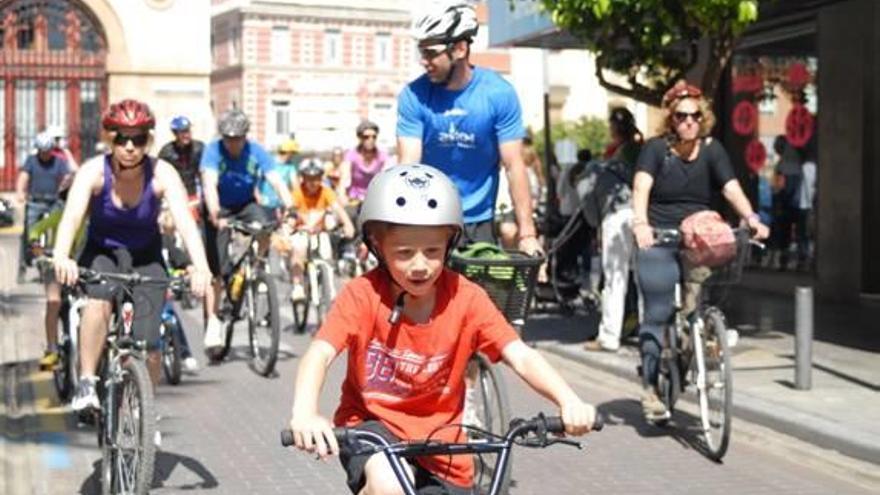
[(519, 428)]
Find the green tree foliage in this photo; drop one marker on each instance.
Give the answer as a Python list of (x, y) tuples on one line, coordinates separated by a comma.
[(653, 43), (589, 132)]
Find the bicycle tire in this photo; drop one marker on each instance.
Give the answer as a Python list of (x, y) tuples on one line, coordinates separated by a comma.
[(493, 413), (134, 391), (326, 288), (62, 375), (171, 353), (263, 358), (715, 416), (301, 308), (669, 376), (228, 322)]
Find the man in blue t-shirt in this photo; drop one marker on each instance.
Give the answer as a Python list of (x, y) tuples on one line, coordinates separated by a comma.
[(464, 120), (232, 167)]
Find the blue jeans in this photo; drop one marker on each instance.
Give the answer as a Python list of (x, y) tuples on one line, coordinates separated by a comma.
[(658, 271)]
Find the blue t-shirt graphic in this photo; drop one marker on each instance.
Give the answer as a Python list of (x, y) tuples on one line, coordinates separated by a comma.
[(237, 178), (460, 133)]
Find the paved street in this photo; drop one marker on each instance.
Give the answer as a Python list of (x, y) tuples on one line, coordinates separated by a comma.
[(220, 435)]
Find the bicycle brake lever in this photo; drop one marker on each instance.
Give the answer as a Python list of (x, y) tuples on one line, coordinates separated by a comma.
[(566, 441)]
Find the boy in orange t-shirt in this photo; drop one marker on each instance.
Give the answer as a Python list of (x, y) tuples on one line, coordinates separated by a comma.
[(410, 327), (313, 200)]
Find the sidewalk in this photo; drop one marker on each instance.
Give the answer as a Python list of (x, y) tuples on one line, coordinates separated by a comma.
[(839, 413)]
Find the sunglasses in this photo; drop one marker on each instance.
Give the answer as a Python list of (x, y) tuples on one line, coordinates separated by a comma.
[(368, 136), (139, 140), (431, 52), (682, 116)]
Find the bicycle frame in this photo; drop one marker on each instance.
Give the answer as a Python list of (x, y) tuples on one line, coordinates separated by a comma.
[(315, 265)]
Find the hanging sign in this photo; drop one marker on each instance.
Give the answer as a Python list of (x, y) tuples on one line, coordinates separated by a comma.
[(799, 126), (756, 155), (745, 118)]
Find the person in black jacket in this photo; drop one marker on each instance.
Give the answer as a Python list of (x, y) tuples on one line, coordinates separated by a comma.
[(185, 153)]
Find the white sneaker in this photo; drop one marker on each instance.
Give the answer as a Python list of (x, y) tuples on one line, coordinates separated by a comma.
[(86, 395), (298, 294), (190, 365), (213, 334), (157, 438)]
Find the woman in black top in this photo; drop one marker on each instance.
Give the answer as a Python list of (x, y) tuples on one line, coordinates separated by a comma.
[(676, 174)]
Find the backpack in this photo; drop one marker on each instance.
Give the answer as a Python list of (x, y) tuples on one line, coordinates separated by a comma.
[(708, 240)]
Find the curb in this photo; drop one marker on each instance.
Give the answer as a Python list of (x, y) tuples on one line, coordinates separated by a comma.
[(810, 428)]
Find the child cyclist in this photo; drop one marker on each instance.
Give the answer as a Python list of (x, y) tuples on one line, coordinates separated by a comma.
[(410, 327), (312, 200)]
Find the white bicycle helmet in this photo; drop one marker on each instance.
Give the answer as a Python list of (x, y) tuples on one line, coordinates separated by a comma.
[(44, 142), (447, 22), (411, 195)]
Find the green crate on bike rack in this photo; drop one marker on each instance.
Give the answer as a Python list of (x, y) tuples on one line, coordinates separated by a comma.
[(508, 277)]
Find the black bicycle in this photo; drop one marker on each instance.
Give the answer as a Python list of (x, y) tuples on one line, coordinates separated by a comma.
[(127, 417), (251, 294), (533, 433)]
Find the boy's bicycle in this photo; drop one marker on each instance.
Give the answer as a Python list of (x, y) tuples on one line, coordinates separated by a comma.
[(319, 281), (509, 278), (171, 337), (127, 417), (251, 294), (525, 433), (696, 347)]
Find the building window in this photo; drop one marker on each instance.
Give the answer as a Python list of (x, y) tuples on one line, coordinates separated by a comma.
[(332, 47), (382, 55), (281, 118), (26, 36), (280, 45)]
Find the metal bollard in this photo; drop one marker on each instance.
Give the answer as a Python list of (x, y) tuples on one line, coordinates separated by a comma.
[(803, 336)]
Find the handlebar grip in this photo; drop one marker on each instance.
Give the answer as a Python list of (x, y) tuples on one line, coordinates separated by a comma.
[(554, 424), (286, 438)]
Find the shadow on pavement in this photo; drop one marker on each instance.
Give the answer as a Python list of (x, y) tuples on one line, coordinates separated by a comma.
[(684, 428), (166, 463)]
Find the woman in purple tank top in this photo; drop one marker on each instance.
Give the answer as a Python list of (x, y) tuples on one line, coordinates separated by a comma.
[(361, 163), (121, 193)]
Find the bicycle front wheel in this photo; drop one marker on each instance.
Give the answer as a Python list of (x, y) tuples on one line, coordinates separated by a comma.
[(715, 387), (129, 451), (486, 408), (171, 358), (263, 322), (300, 307), (64, 372)]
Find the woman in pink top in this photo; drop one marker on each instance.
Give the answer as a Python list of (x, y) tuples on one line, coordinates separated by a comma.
[(361, 163)]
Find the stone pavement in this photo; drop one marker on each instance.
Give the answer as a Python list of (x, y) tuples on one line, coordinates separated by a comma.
[(839, 413)]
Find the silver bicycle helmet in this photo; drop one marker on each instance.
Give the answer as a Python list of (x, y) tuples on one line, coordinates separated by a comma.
[(44, 142), (411, 195), (446, 22), (233, 123)]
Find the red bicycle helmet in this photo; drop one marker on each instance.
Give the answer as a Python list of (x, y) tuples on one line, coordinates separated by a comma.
[(128, 114)]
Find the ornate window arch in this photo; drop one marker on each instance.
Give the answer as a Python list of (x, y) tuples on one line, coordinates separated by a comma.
[(53, 58)]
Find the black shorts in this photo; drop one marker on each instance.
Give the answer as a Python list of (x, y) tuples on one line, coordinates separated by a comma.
[(148, 298), (426, 482), (217, 243)]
